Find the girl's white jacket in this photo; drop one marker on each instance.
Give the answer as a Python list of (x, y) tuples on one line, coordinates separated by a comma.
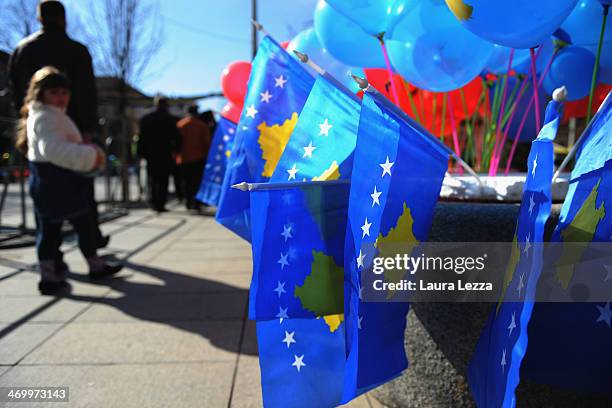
[(54, 138)]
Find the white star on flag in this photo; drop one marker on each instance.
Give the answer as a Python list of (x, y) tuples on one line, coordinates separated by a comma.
[(512, 324), (605, 314), (375, 197), (609, 270), (286, 232), (289, 338), (226, 138), (282, 314), (503, 360), (386, 166), (527, 244), (292, 172), (265, 96), (279, 82), (325, 127), (360, 293), (535, 164), (521, 283), (299, 362), (366, 228), (251, 111), (360, 259), (280, 288), (308, 150), (283, 260), (359, 322), (531, 203)]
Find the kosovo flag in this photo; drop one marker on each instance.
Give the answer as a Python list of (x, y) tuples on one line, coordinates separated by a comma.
[(397, 176), (298, 250), (321, 146), (277, 90), (570, 343), (493, 373), (214, 171), (298, 244)]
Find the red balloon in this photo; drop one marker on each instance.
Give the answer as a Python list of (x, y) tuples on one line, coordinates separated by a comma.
[(379, 79), (578, 109), (231, 112), (285, 44), (234, 81)]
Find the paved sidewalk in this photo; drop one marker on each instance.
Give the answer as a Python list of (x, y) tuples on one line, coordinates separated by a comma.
[(169, 331)]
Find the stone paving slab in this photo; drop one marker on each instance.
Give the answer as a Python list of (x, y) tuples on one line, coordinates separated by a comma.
[(167, 307), (131, 386), (38, 309), (23, 339), (173, 282), (142, 342), (26, 284)]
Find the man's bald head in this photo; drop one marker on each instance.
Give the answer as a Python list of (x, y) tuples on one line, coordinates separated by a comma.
[(51, 13)]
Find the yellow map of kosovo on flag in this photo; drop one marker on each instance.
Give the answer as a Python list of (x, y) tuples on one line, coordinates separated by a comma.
[(272, 140)]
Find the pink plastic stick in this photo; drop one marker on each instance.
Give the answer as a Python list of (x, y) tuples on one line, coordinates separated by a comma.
[(454, 131), (390, 73), (520, 129), (502, 110)]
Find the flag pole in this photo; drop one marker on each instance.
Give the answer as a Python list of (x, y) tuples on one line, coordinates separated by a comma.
[(576, 146), (257, 25), (365, 86), (244, 186), (304, 58)]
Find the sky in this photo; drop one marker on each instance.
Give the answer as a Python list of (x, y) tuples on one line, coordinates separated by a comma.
[(202, 36)]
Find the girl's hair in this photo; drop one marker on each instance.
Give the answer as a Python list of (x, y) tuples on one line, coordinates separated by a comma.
[(42, 80)]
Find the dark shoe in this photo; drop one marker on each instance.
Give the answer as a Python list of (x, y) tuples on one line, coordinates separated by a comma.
[(105, 239), (107, 269), (161, 209), (53, 288)]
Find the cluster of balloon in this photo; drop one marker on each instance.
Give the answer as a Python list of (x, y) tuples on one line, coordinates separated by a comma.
[(512, 23), (307, 42), (234, 81), (433, 51), (582, 28), (345, 40)]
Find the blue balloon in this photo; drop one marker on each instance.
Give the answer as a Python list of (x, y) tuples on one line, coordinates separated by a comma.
[(544, 56), (583, 27), (498, 62), (373, 16), (528, 132), (345, 40), (433, 51), (512, 23), (308, 43), (572, 68)]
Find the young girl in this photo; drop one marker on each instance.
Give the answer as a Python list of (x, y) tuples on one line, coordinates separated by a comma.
[(58, 160)]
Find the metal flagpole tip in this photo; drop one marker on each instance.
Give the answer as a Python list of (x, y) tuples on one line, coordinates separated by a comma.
[(362, 82), (302, 57), (560, 94), (244, 186), (257, 25)]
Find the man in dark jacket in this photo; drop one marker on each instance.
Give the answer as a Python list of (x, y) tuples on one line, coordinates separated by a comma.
[(52, 46), (157, 141)]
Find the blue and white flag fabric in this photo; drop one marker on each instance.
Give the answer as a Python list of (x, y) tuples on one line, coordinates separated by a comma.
[(297, 298), (493, 373), (398, 170), (570, 343), (277, 90), (322, 144), (216, 163)]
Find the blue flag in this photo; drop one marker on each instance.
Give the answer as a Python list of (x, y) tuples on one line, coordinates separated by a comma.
[(570, 343), (298, 282), (277, 90), (397, 176), (322, 144), (214, 171), (493, 373)]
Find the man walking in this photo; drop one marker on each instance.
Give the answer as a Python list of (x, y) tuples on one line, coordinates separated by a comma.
[(158, 140), (195, 143), (51, 46)]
